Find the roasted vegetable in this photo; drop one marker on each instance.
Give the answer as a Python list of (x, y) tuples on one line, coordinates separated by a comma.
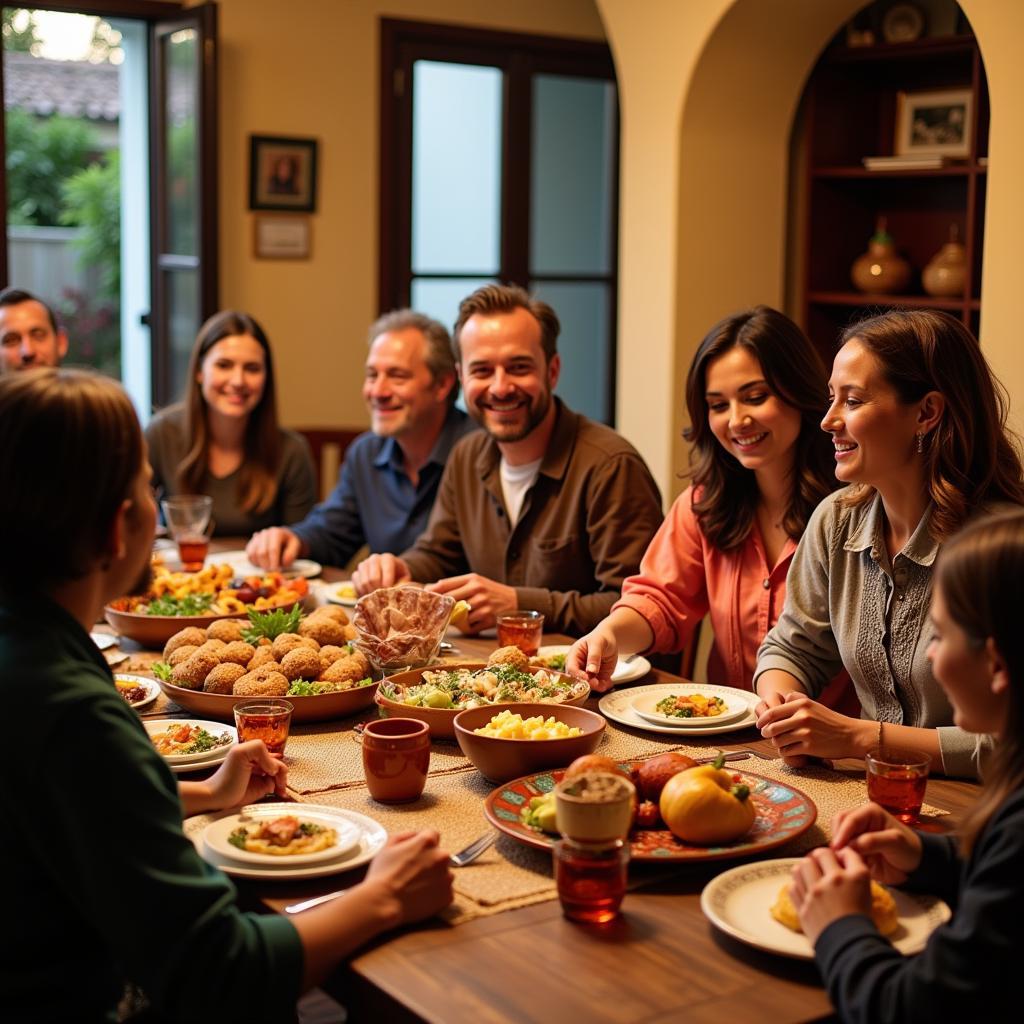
[(705, 805)]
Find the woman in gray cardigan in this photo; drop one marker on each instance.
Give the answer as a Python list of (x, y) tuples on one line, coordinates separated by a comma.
[(918, 424)]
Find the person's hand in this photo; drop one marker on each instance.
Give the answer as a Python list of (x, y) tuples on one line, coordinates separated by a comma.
[(380, 571), (801, 727), (248, 773), (774, 700), (413, 872), (827, 886), (593, 658), (485, 598), (890, 849), (274, 548)]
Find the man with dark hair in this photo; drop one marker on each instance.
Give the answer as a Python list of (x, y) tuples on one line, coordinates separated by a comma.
[(390, 475), (543, 509), (29, 335)]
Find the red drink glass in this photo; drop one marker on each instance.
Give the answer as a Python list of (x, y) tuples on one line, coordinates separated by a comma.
[(897, 781), (188, 520), (192, 550), (521, 629), (264, 718), (591, 879)]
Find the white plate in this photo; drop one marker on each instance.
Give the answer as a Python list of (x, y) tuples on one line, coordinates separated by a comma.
[(203, 757), (337, 593), (618, 706), (738, 901), (371, 839), (646, 707), (216, 834), (151, 687), (241, 566), (625, 671), (104, 640)]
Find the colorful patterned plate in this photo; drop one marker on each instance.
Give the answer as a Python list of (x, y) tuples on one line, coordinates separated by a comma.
[(783, 813)]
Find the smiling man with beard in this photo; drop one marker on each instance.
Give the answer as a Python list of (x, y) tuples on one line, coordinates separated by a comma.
[(390, 475), (543, 509)]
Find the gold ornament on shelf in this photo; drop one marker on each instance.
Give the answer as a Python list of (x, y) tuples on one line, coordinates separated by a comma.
[(946, 272), (881, 270)]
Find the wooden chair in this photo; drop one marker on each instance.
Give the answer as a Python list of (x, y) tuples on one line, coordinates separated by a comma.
[(328, 446)]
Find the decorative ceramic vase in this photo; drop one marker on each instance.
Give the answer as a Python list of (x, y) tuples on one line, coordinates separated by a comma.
[(946, 272), (881, 269)]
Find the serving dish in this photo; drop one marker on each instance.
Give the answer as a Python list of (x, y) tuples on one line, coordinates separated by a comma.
[(158, 725), (783, 814), (737, 902), (498, 758), (618, 706), (319, 708), (442, 720), (151, 687)]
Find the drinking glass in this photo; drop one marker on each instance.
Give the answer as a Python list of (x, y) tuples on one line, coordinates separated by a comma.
[(522, 629), (264, 718), (591, 879), (897, 781), (188, 520)]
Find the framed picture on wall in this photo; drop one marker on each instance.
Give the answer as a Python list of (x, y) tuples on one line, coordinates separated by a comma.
[(282, 173), (934, 123)]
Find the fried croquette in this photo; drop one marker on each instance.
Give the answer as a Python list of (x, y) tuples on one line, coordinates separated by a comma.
[(330, 653), (332, 611), (192, 673), (227, 630), (213, 647), (180, 654), (191, 635), (511, 656), (238, 651), (251, 685), (287, 642), (344, 670), (322, 629), (223, 678), (350, 632), (263, 656), (301, 663), (265, 670)]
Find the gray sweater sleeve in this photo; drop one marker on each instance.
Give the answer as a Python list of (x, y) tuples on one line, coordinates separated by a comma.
[(802, 642)]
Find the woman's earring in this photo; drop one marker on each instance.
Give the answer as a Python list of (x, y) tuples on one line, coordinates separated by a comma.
[(920, 443)]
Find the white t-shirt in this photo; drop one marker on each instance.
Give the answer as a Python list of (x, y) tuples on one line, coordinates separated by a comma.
[(515, 482)]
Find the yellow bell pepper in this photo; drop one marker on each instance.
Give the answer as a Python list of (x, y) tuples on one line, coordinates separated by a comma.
[(704, 805)]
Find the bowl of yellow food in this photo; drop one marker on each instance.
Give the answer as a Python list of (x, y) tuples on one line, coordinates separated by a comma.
[(517, 739)]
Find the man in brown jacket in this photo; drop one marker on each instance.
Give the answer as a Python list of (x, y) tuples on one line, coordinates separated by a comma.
[(543, 508)]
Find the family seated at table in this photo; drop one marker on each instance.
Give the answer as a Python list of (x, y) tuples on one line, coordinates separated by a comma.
[(105, 885)]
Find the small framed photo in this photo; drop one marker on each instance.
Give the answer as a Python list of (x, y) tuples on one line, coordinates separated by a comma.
[(934, 123), (282, 173), (280, 236)]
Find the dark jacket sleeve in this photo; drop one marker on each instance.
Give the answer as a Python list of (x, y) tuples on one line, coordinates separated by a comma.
[(966, 966), (333, 531), (623, 513)]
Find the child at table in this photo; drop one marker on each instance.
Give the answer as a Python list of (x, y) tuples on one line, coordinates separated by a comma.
[(977, 656)]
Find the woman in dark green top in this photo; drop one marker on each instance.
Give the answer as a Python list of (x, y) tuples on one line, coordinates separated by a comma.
[(224, 440), (104, 886)]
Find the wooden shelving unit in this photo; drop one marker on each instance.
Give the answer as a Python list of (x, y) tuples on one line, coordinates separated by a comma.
[(851, 113)]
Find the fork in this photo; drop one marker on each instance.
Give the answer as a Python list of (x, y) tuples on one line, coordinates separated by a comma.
[(457, 860)]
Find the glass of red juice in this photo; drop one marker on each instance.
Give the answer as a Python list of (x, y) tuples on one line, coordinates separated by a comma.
[(188, 520), (264, 718), (591, 879), (897, 781), (522, 629)]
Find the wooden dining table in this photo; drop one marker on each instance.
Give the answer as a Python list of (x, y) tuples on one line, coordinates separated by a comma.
[(660, 960)]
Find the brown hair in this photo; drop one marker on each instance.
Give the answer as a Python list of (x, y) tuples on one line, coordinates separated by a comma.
[(728, 493), (971, 459), (440, 358), (71, 452), (506, 298), (257, 476), (980, 574)]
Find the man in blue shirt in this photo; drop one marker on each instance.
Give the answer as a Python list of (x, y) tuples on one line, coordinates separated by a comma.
[(390, 474)]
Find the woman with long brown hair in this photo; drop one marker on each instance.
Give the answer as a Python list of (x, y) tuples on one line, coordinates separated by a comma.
[(977, 655), (224, 439), (755, 394), (918, 427)]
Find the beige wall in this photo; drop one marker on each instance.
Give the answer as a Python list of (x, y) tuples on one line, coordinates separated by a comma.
[(310, 67)]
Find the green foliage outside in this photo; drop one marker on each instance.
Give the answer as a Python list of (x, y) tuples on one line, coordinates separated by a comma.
[(19, 40)]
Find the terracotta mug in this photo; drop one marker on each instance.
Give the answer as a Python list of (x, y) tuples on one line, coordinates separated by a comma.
[(396, 757)]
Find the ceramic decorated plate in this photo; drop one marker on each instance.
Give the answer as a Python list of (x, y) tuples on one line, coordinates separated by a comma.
[(625, 671), (738, 901), (783, 813), (216, 729), (618, 706), (217, 835), (372, 838), (733, 706)]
